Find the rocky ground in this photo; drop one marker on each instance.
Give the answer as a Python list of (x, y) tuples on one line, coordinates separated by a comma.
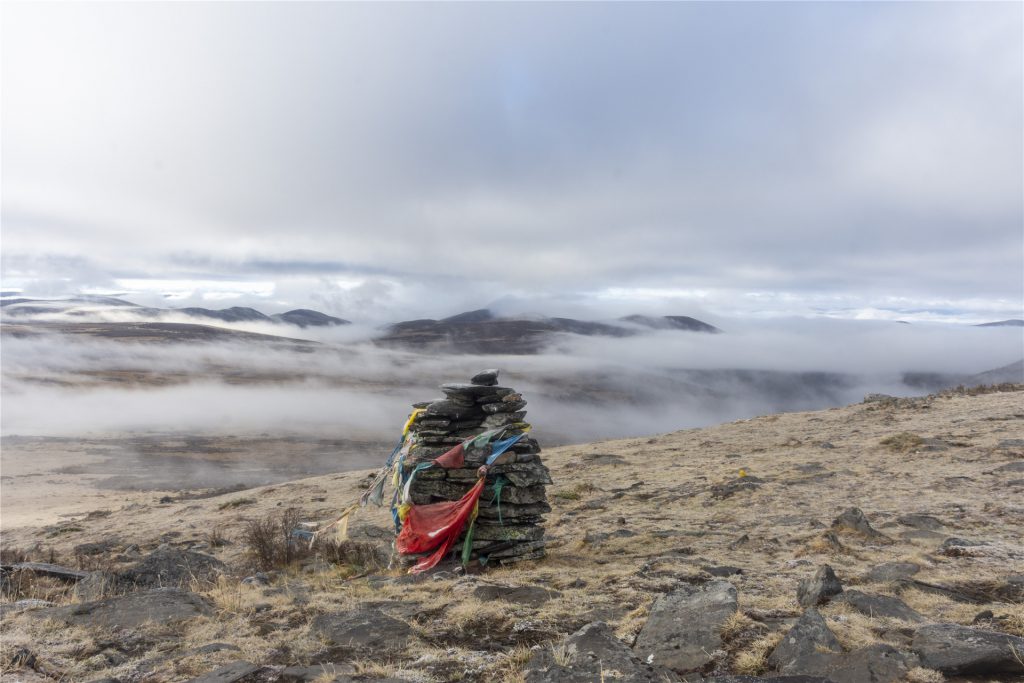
[(876, 542)]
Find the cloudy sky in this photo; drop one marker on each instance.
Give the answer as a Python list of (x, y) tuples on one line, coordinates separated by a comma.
[(388, 161)]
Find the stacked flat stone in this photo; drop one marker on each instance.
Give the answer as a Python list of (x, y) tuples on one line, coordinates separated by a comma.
[(510, 528)]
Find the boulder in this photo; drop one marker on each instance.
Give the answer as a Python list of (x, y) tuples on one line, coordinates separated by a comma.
[(683, 629), (806, 646), (852, 519), (315, 673), (486, 378), (234, 672), (960, 650), (171, 567), (160, 605), (890, 572), (820, 588), (531, 596), (873, 605), (878, 663), (363, 631), (919, 521), (589, 655)]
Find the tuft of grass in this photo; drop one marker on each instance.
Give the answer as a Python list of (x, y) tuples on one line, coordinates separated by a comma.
[(753, 660), (904, 442), (576, 492), (919, 674), (735, 625)]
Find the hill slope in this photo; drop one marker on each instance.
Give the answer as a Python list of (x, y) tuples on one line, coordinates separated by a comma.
[(632, 520)]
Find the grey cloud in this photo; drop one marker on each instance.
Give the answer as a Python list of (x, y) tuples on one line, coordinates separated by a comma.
[(526, 149)]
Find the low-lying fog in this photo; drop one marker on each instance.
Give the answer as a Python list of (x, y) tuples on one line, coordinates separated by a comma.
[(581, 389)]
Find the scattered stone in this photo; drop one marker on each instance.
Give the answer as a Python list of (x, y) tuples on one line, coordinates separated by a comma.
[(723, 571), (683, 628), (161, 605), (96, 548), (258, 579), (983, 616), (167, 566), (818, 589), (852, 519), (587, 656), (734, 486), (889, 572), (919, 521), (959, 547), (46, 569), (531, 596), (23, 606), (877, 663), (314, 674), (805, 646), (362, 631), (945, 591), (97, 585), (235, 672), (873, 605), (961, 650)]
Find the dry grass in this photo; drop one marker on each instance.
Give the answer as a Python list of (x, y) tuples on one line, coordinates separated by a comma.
[(921, 675), (904, 442), (753, 659), (473, 614), (677, 529)]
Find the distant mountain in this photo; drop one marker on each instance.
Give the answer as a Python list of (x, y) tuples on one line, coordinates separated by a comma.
[(235, 314), (671, 322), (480, 331), (303, 317), (1013, 322)]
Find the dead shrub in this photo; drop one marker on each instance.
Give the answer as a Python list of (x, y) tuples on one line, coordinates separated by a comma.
[(269, 543)]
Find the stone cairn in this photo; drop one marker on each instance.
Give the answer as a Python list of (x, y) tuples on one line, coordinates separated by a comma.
[(509, 526)]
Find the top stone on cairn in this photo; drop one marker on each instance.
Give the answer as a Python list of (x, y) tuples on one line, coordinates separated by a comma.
[(487, 378)]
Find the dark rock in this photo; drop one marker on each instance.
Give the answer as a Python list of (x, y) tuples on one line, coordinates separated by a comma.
[(167, 566), (891, 571), (805, 646), (96, 548), (852, 519), (734, 486), (960, 650), (531, 596), (362, 631), (1011, 467), (879, 606), (315, 673), (590, 653), (772, 679), (918, 521), (162, 605), (97, 585), (683, 627), (46, 569), (818, 589), (486, 378), (958, 547), (235, 672), (983, 616), (722, 571), (878, 663)]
